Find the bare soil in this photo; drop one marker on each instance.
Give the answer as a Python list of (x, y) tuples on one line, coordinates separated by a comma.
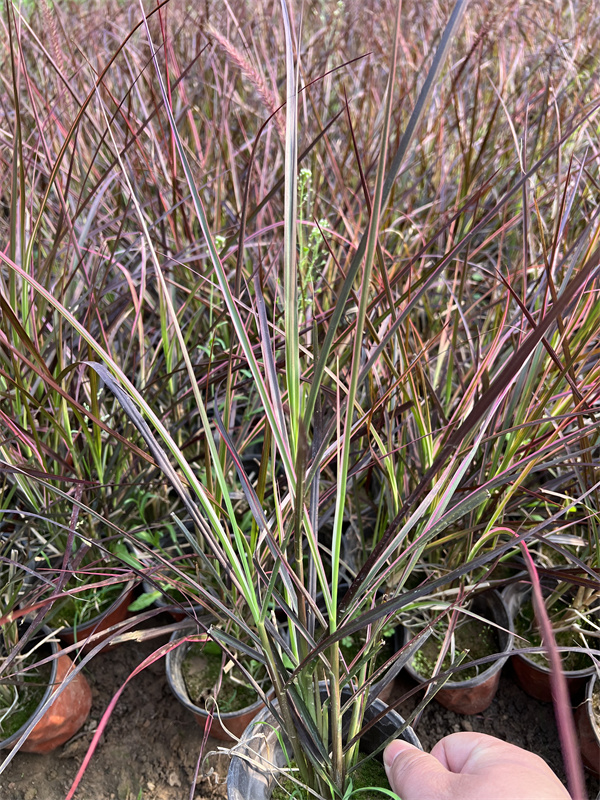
[(151, 747)]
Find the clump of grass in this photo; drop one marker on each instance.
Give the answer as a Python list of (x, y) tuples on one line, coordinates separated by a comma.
[(397, 363)]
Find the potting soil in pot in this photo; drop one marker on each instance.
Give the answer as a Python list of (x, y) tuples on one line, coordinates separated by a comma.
[(479, 638), (525, 626), (201, 670), (369, 775), (20, 698)]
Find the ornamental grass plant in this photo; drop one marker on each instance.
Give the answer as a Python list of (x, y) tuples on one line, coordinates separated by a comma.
[(324, 282)]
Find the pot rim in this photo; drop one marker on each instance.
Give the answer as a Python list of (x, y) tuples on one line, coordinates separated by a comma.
[(487, 673), (44, 629), (80, 630), (173, 661), (514, 593)]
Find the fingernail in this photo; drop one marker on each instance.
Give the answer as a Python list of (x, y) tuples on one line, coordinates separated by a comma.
[(393, 750)]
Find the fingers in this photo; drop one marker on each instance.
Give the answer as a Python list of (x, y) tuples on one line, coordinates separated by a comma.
[(470, 766), (413, 774), (483, 766), (466, 752), (476, 753)]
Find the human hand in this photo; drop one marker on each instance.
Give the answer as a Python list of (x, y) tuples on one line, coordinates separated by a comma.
[(470, 766)]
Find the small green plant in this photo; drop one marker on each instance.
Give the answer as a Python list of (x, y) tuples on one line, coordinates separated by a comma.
[(82, 607)]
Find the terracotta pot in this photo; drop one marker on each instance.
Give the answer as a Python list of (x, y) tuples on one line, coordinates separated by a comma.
[(67, 713), (588, 729), (476, 694), (261, 744), (225, 726), (534, 678), (117, 612)]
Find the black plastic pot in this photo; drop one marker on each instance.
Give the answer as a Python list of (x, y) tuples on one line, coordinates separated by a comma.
[(225, 726), (476, 694), (259, 756), (534, 678), (588, 729)]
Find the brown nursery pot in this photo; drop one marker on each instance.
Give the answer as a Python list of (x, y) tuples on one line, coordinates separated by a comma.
[(476, 694), (65, 716), (534, 678), (117, 612), (225, 726), (588, 729)]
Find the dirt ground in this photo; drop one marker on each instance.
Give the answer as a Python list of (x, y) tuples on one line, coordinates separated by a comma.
[(151, 746)]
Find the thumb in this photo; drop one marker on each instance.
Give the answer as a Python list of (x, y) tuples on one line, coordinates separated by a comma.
[(413, 774)]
